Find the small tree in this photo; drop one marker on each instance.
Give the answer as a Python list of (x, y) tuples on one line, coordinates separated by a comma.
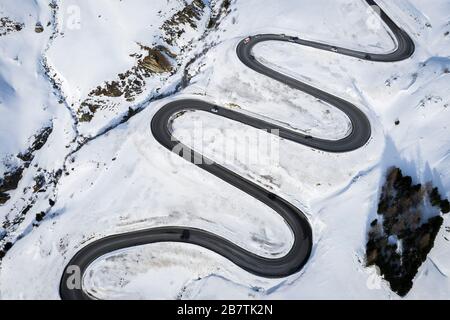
[(445, 206)]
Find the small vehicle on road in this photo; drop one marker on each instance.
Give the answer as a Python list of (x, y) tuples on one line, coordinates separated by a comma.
[(334, 49), (247, 40)]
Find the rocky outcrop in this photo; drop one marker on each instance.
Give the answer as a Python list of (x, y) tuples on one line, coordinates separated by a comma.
[(130, 83), (190, 15), (7, 26), (11, 178)]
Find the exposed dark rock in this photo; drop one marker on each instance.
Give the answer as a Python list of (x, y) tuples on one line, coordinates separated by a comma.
[(40, 216), (155, 61), (11, 179), (110, 89), (185, 235), (4, 197), (130, 83), (189, 15), (39, 182), (7, 26), (40, 139), (215, 19), (87, 110), (7, 246), (39, 28)]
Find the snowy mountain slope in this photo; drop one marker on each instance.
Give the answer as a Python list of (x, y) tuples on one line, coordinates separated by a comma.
[(27, 104), (70, 135), (126, 34), (124, 180), (35, 127)]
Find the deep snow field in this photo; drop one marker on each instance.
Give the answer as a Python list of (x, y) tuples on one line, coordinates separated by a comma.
[(104, 173)]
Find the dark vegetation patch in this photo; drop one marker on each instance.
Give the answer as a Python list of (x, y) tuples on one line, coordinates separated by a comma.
[(7, 26), (401, 237), (12, 177), (130, 83), (190, 15)]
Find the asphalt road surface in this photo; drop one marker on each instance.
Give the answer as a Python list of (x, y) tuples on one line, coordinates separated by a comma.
[(298, 255)]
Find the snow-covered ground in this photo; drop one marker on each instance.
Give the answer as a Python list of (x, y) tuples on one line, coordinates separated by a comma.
[(116, 177)]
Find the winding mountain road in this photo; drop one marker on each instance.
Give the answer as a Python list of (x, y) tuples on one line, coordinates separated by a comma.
[(298, 255)]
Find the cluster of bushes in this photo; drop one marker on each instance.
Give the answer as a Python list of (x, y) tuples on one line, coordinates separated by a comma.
[(400, 239)]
